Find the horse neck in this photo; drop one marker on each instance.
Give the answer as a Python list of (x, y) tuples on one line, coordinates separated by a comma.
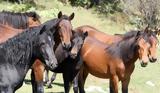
[(30, 51), (61, 54), (127, 50), (52, 25)]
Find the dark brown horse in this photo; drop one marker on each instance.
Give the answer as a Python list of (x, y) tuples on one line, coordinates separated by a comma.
[(116, 61), (70, 65), (19, 20), (64, 28)]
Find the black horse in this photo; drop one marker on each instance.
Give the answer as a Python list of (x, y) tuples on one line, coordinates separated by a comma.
[(18, 54)]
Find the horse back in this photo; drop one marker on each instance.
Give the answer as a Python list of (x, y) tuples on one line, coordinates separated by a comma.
[(7, 32), (101, 36)]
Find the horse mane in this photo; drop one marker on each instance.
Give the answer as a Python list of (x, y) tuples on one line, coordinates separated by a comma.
[(17, 20), (130, 34), (126, 47), (19, 47)]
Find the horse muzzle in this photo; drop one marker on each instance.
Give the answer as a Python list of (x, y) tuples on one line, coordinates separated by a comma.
[(152, 60), (66, 45), (51, 65), (144, 64), (73, 55)]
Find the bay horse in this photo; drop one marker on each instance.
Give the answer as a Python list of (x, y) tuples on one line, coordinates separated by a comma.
[(19, 20), (115, 62), (18, 54), (109, 39)]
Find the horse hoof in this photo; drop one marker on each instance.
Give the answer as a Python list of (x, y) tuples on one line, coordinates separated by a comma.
[(49, 86)]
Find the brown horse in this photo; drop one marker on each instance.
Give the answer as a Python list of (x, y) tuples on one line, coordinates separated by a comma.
[(9, 32), (116, 61), (109, 39), (19, 20)]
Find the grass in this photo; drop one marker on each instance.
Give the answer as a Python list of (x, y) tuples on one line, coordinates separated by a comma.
[(48, 9)]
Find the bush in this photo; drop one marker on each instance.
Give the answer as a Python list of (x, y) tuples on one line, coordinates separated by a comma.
[(82, 3), (109, 7)]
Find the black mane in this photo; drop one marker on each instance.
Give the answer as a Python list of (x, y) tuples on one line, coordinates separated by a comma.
[(17, 20)]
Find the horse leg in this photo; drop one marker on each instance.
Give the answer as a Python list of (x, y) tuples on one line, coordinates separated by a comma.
[(37, 77), (67, 82), (114, 84), (49, 85), (46, 77), (37, 87), (34, 85), (110, 86), (125, 84), (75, 84), (82, 78)]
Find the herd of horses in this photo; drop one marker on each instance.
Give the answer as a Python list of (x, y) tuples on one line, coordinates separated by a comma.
[(26, 43)]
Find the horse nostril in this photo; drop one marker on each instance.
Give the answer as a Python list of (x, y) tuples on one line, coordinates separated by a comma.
[(73, 55), (153, 60), (53, 65)]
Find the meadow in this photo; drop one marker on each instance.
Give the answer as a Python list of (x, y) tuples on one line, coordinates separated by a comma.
[(144, 80)]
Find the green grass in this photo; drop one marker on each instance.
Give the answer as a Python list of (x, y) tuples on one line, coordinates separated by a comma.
[(48, 9)]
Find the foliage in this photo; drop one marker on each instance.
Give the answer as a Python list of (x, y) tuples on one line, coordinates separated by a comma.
[(147, 11), (79, 2), (109, 6)]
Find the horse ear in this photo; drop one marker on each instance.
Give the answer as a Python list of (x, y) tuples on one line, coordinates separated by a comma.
[(71, 16), (85, 34), (146, 29), (34, 16), (157, 32), (138, 33), (60, 14), (43, 29)]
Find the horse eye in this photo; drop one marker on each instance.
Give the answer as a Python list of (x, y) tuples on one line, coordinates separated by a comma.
[(42, 43), (49, 38)]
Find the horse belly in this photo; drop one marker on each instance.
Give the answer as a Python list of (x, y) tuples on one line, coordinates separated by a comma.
[(9, 76), (95, 62)]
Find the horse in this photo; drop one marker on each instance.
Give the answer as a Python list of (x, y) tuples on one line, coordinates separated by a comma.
[(116, 62), (19, 20), (18, 54), (70, 63), (63, 27), (110, 39)]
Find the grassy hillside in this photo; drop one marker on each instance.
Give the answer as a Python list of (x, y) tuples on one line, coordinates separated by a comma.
[(144, 80)]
